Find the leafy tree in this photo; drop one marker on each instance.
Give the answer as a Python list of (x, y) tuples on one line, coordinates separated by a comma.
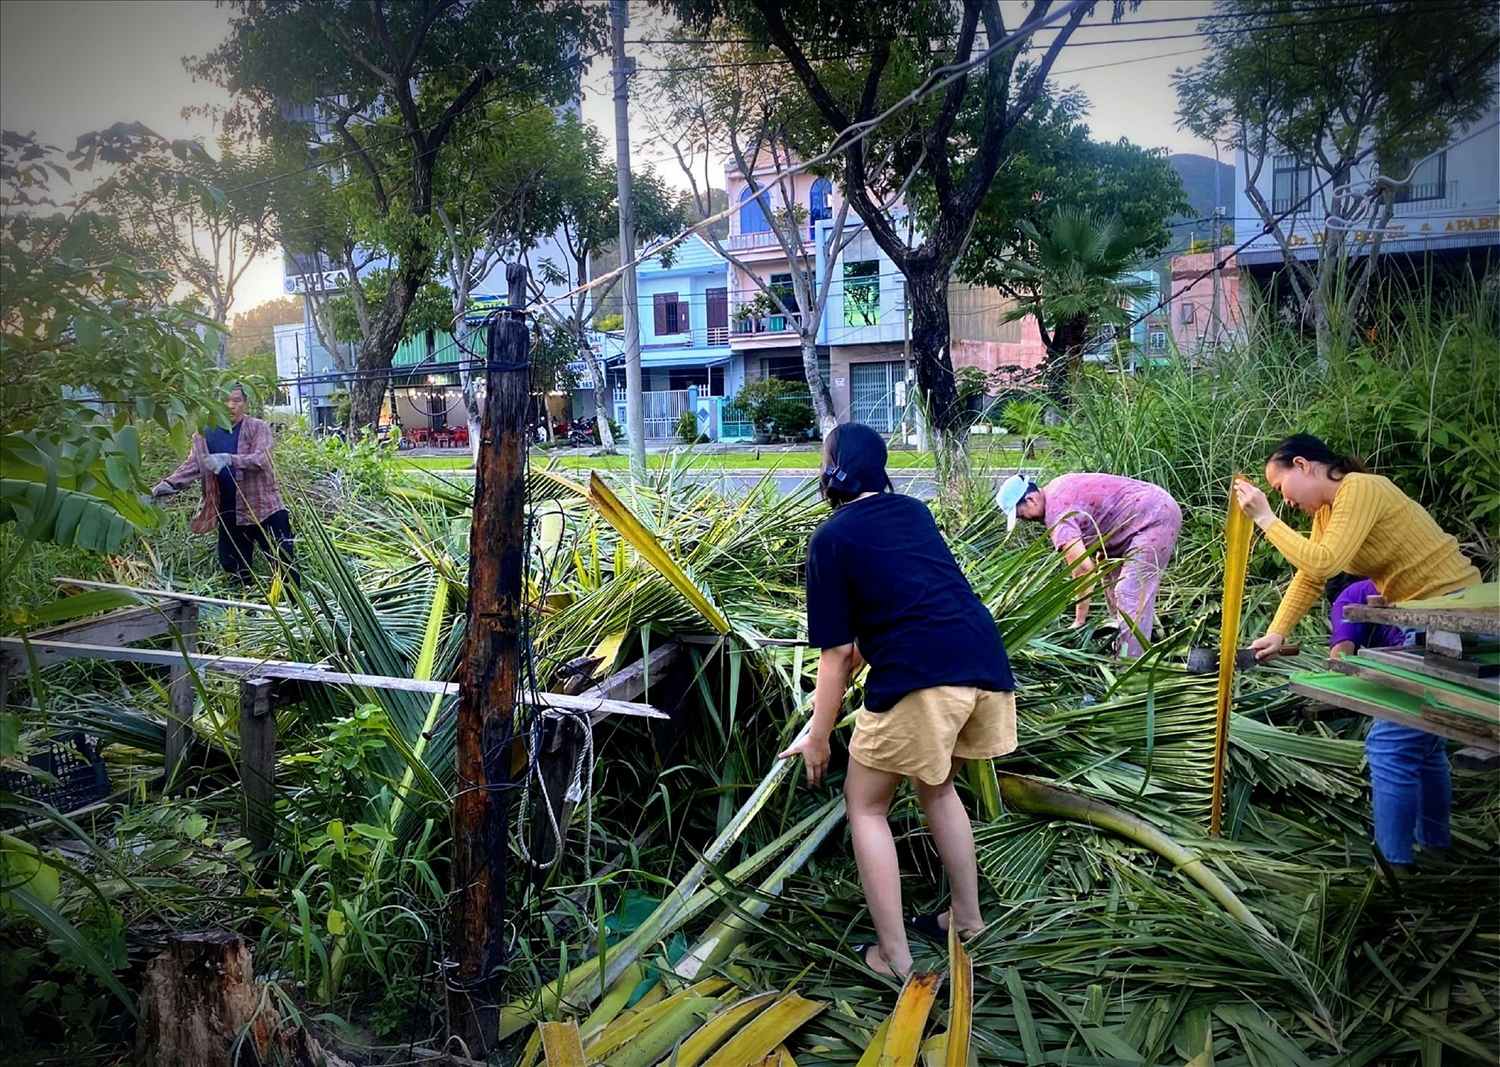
[(1055, 163), (491, 204), (856, 61), (391, 80), (431, 308), (1074, 279), (316, 225), (1331, 87), (737, 106), (86, 349), (202, 220), (1071, 215), (581, 198)]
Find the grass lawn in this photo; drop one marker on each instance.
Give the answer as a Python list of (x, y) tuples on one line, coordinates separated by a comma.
[(767, 459)]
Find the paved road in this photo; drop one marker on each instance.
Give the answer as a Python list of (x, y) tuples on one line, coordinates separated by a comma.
[(920, 485), (786, 482)]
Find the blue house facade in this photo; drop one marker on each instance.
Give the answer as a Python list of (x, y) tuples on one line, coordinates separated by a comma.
[(682, 306)]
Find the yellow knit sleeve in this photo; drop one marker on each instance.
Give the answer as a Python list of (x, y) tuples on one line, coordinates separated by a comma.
[(1301, 594), (1330, 549)]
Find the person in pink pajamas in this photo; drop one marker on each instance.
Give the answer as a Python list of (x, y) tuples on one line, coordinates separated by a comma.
[(1103, 516)]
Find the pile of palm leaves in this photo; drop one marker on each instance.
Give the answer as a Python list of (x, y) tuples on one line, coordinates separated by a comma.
[(1119, 934)]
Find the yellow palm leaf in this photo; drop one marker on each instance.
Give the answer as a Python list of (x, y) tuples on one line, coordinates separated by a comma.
[(1236, 565)]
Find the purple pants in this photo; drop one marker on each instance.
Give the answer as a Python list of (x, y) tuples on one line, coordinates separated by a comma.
[(1140, 576)]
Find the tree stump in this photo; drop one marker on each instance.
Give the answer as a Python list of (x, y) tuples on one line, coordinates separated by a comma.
[(201, 1006)]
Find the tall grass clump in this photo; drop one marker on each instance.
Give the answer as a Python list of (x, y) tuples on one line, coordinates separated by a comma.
[(1415, 392)]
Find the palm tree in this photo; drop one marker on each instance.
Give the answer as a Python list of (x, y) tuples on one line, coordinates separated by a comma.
[(1075, 281)]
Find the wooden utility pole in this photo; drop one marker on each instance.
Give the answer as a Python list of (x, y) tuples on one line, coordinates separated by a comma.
[(488, 680), (635, 412)]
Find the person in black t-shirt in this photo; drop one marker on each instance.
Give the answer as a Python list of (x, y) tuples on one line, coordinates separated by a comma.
[(883, 588)]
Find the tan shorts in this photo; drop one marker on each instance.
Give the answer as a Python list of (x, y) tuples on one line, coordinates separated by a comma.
[(927, 730)]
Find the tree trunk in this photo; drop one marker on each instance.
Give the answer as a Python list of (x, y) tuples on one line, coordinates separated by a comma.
[(601, 396), (822, 399), (375, 355), (200, 996), (466, 381), (929, 347)]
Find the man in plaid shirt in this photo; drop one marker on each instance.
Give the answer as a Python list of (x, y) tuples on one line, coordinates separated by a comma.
[(240, 497)]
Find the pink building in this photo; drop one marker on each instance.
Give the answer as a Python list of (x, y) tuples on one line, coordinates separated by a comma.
[(1206, 316), (862, 338)]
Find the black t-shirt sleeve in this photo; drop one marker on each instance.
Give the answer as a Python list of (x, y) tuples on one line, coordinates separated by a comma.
[(830, 620)]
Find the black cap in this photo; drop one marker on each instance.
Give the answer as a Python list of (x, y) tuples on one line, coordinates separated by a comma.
[(858, 460)]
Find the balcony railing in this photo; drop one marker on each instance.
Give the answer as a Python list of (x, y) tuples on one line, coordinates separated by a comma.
[(762, 239), (718, 335), (758, 324), (1429, 196)]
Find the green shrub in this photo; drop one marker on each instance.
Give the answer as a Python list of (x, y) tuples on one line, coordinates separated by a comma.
[(777, 408), (687, 429)]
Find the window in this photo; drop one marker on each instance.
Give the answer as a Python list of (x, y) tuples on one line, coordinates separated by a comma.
[(686, 377), (789, 368), (717, 306), (753, 212), (1186, 312), (1291, 183), (1428, 182), (819, 201), (1157, 341), (862, 293), (781, 285), (670, 314)]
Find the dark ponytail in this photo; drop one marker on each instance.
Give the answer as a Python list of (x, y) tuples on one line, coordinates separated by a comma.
[(1314, 450)]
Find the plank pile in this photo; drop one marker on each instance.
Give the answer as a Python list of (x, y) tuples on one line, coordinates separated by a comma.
[(1450, 686)]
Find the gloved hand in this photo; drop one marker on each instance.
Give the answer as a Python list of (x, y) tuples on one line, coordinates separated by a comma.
[(216, 461), (162, 491)]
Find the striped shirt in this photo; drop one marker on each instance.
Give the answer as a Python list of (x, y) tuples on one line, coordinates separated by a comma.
[(1374, 529)]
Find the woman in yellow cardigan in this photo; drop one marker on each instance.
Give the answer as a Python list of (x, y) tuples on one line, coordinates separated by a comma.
[(1362, 524)]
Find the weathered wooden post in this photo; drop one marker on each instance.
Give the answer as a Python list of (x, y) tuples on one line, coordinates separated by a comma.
[(258, 759), (180, 695), (488, 679)]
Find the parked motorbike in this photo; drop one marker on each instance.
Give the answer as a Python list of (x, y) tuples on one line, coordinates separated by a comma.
[(583, 433)]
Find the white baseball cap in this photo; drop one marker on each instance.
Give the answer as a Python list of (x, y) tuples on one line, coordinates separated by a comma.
[(1012, 491)]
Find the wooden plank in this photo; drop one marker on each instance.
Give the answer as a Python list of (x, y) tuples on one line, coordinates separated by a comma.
[(181, 693), (631, 682), (1476, 761), (50, 652), (121, 627), (1434, 690), (1417, 719), (1432, 666), (761, 642), (167, 594), (258, 760), (1465, 622)]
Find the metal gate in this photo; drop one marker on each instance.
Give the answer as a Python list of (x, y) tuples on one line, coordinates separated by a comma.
[(877, 394), (661, 408)]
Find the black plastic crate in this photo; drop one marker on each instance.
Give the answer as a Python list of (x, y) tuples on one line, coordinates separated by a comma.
[(74, 762)]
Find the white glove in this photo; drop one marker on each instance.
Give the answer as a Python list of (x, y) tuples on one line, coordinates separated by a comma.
[(162, 491), (216, 461)]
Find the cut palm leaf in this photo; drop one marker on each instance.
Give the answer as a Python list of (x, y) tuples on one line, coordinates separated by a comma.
[(903, 1040), (770, 1028)]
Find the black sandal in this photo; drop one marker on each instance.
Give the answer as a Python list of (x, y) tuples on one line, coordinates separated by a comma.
[(929, 925)]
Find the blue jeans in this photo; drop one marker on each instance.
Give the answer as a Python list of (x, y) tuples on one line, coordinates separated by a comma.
[(1410, 789)]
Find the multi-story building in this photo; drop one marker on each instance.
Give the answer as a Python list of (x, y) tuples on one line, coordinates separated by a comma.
[(1205, 313), (863, 337), (682, 306), (1448, 210)]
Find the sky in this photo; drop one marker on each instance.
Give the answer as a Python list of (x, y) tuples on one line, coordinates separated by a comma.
[(70, 66)]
